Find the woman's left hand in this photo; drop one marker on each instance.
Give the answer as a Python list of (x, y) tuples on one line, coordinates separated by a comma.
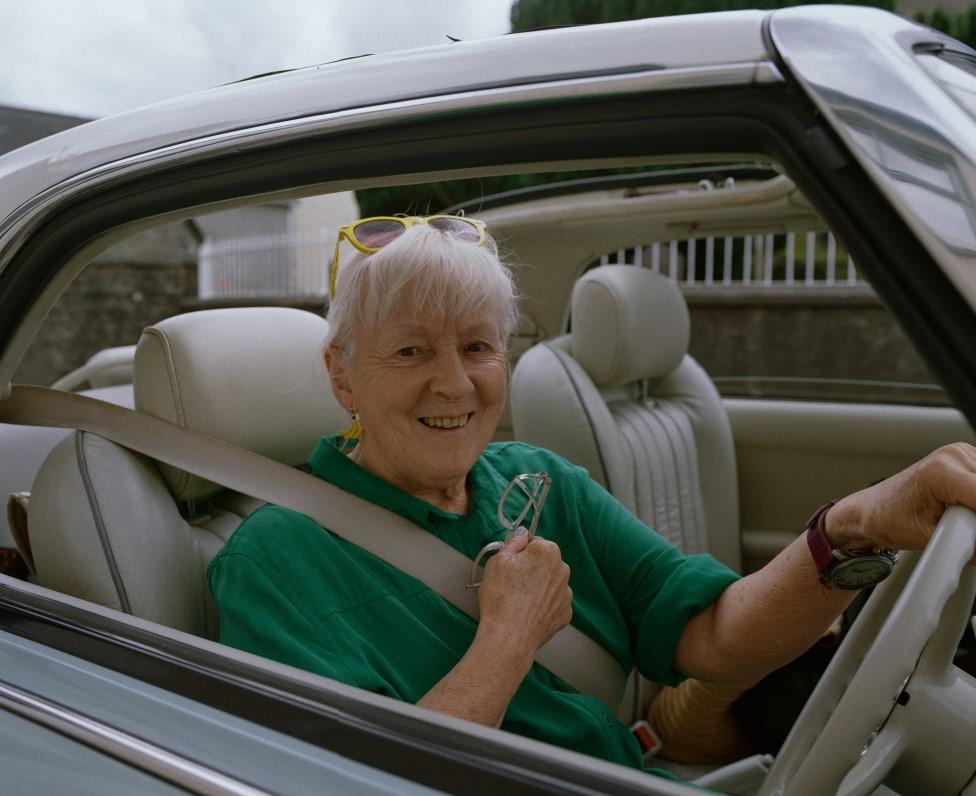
[(902, 511), (771, 616)]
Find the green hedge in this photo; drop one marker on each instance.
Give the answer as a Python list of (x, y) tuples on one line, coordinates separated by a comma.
[(960, 25), (534, 14)]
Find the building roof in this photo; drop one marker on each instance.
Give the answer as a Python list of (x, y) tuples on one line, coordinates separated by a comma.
[(19, 126)]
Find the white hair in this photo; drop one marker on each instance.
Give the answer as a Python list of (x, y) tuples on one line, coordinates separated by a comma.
[(427, 271)]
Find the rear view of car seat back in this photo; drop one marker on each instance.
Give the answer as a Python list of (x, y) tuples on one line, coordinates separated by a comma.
[(620, 396), (111, 526)]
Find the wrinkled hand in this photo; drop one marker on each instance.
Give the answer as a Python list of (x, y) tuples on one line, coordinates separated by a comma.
[(902, 511), (525, 591)]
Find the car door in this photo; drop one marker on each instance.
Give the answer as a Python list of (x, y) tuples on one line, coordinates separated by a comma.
[(402, 121)]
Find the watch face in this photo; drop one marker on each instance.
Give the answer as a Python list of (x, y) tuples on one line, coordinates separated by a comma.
[(861, 572)]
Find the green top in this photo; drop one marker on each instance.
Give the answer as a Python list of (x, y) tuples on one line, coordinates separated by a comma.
[(290, 592)]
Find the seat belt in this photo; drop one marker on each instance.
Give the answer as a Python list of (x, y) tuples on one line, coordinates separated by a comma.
[(570, 654)]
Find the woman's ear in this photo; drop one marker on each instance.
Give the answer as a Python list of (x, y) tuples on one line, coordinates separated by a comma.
[(335, 364)]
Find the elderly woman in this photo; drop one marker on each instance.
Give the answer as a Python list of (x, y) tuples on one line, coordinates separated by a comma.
[(419, 322)]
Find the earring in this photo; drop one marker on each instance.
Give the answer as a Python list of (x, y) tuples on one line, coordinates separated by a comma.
[(355, 430)]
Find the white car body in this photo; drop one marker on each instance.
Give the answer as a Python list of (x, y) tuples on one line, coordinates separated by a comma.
[(834, 95)]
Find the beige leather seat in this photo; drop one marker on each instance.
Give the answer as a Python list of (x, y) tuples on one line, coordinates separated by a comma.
[(620, 396), (23, 450), (109, 526), (108, 376)]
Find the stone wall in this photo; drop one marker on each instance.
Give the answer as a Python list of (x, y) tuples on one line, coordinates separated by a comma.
[(146, 278), (838, 343)]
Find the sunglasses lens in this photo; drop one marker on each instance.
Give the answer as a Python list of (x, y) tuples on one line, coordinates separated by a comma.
[(457, 228), (376, 234)]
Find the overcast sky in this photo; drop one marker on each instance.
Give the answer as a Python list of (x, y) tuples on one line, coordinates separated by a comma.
[(96, 57)]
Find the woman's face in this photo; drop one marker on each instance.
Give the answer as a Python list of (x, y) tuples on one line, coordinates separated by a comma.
[(429, 392)]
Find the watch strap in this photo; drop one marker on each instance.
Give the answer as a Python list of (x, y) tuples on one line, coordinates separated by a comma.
[(820, 548)]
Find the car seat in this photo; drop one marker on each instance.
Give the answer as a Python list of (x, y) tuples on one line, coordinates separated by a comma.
[(113, 527), (23, 450), (620, 396)]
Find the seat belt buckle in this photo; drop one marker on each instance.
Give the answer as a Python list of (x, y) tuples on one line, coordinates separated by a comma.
[(650, 741)]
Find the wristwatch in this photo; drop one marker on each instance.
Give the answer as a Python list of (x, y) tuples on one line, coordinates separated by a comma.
[(846, 569)]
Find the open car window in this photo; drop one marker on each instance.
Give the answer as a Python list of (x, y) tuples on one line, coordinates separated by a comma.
[(779, 307)]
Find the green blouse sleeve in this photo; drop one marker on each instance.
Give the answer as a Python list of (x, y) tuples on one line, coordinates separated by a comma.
[(657, 587), (259, 612)]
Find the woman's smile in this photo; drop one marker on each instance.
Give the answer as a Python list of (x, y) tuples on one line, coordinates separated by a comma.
[(429, 392), (447, 423)]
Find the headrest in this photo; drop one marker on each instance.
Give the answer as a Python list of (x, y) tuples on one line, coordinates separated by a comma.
[(251, 376), (629, 324)]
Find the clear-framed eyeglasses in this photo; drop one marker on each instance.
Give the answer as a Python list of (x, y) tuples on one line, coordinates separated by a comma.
[(520, 503)]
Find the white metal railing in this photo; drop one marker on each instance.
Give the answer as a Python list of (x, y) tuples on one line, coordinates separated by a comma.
[(280, 265), (810, 259), (265, 265)]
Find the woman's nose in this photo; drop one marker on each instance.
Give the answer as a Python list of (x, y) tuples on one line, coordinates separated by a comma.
[(450, 378)]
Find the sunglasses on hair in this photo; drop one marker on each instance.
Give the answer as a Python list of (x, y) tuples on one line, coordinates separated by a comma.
[(369, 235)]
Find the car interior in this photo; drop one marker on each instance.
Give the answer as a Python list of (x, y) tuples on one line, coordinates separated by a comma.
[(602, 374)]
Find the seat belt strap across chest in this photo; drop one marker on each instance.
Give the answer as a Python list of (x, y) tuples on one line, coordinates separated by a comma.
[(571, 655)]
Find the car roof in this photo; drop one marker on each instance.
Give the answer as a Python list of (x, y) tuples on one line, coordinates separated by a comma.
[(512, 60)]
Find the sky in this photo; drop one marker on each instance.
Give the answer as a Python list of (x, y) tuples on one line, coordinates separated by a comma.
[(97, 57)]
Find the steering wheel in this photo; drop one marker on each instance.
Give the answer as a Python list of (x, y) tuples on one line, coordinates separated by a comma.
[(892, 706)]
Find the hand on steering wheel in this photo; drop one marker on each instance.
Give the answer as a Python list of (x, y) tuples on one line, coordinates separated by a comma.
[(891, 706)]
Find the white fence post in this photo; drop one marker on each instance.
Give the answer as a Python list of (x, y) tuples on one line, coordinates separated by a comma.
[(790, 254), (709, 260), (747, 260), (831, 259), (811, 258), (727, 262), (768, 260)]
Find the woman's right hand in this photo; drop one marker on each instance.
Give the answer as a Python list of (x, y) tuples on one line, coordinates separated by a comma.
[(525, 598), (525, 594)]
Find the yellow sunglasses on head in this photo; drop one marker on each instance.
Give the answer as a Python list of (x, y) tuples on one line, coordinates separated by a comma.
[(369, 235)]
